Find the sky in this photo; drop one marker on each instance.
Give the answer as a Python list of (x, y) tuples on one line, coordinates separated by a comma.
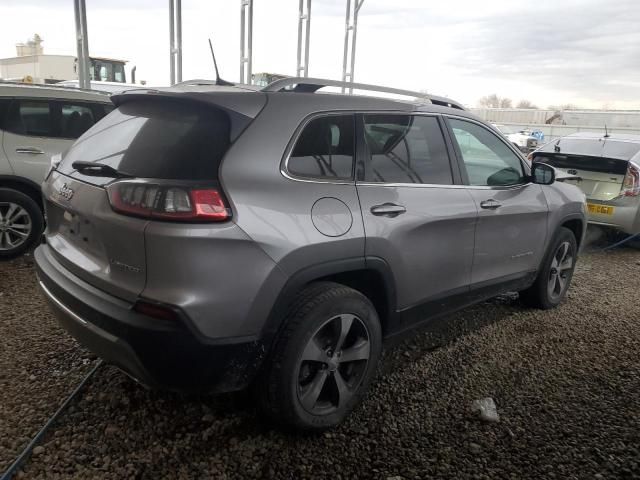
[(550, 52)]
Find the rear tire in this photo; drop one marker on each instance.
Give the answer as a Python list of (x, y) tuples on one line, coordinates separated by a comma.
[(324, 359), (21, 223), (556, 272)]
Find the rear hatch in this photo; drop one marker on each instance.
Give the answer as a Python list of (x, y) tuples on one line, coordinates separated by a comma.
[(601, 164), (150, 144)]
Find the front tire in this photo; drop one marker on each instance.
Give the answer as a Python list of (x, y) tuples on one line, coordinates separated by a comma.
[(21, 223), (554, 277), (324, 359)]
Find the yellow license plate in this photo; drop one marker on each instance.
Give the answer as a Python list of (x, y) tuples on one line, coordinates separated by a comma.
[(601, 209)]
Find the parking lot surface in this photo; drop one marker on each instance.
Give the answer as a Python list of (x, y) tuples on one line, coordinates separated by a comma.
[(566, 383)]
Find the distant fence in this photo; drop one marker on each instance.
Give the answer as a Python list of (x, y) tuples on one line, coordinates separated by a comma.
[(565, 122), (551, 132)]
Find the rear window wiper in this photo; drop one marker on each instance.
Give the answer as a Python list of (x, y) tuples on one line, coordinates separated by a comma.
[(98, 170)]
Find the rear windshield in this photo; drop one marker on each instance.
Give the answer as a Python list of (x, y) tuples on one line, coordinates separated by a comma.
[(583, 162), (596, 147), (151, 139)]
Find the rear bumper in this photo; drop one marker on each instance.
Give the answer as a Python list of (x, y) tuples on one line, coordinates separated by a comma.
[(161, 354), (625, 216)]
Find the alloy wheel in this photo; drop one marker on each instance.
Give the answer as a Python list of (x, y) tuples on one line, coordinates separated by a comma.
[(561, 265), (332, 364), (15, 225)]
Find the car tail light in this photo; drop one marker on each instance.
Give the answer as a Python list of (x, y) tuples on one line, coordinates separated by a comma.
[(631, 182), (168, 202)]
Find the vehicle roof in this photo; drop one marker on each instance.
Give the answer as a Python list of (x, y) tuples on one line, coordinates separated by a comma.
[(51, 91), (313, 102), (623, 137)]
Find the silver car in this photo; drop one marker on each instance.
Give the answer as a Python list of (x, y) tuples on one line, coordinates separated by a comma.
[(208, 237), (607, 169)]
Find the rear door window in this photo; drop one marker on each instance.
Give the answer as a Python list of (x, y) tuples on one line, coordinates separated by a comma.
[(75, 119), (324, 149), (4, 109), (406, 149), (152, 139), (30, 117)]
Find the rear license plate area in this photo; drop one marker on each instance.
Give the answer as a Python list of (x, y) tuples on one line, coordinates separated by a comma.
[(600, 209)]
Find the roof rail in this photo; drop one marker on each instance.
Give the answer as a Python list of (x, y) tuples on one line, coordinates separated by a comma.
[(311, 85), (52, 85)]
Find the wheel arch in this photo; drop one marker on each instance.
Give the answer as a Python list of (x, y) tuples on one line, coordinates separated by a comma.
[(371, 276), (24, 185), (577, 227)]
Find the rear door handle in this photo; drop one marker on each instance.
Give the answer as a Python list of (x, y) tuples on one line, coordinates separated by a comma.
[(388, 209), (29, 150), (490, 204)]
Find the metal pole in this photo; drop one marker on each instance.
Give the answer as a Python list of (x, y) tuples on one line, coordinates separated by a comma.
[(347, 27), (80, 57), (246, 39), (172, 63), (307, 40), (250, 42), (85, 44), (353, 40), (179, 40), (299, 55), (302, 66), (242, 28), (82, 44), (350, 26)]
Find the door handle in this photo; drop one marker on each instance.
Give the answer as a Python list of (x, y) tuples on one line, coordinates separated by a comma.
[(490, 204), (29, 150), (388, 209)]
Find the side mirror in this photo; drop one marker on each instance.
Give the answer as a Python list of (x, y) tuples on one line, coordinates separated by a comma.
[(543, 174)]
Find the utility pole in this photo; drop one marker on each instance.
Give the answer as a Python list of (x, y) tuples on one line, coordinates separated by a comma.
[(82, 44), (175, 41), (350, 33), (304, 23), (246, 39)]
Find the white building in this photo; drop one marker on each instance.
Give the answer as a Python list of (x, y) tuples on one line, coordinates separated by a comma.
[(31, 64)]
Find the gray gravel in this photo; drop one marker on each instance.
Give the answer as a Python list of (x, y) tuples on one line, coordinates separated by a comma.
[(566, 384), (39, 364)]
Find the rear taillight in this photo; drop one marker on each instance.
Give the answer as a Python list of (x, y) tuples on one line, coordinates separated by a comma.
[(168, 202), (631, 182)]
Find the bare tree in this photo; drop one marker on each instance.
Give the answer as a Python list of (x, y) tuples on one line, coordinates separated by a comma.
[(494, 101), (526, 104), (566, 106)]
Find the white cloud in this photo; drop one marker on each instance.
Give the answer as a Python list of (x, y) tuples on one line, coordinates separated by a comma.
[(584, 52)]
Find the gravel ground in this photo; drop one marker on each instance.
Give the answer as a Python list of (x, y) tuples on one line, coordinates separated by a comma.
[(566, 383), (39, 363)]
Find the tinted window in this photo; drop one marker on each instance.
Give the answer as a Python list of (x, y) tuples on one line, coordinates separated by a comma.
[(406, 149), (4, 109), (30, 117), (581, 162), (324, 149), (157, 140), (75, 119), (487, 159)]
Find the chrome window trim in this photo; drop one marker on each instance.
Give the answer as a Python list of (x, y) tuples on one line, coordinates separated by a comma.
[(284, 164), (439, 185)]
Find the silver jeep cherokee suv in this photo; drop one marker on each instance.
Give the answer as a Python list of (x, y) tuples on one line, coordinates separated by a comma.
[(208, 237)]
